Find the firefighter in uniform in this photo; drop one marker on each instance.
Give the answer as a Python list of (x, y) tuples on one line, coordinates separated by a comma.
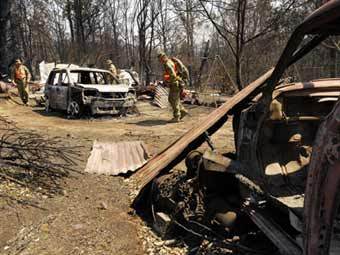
[(113, 70), (20, 77), (175, 83)]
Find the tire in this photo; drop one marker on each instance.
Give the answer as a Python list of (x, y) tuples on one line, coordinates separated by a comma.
[(74, 109)]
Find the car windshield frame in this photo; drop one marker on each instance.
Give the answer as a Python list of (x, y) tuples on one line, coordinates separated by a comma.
[(92, 77)]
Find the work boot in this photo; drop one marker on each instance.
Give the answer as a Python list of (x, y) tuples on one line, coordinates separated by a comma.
[(183, 113), (175, 120)]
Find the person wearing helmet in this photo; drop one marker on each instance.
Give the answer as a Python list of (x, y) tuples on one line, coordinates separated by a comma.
[(112, 69), (20, 78), (173, 80)]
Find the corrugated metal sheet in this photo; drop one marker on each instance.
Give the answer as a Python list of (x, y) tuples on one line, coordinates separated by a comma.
[(161, 97), (116, 158)]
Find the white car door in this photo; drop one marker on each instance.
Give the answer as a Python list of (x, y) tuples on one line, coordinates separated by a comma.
[(51, 89), (63, 90)]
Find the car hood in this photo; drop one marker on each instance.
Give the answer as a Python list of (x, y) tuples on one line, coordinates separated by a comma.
[(106, 87)]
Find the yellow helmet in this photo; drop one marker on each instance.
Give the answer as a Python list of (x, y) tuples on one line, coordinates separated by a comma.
[(161, 54), (109, 62)]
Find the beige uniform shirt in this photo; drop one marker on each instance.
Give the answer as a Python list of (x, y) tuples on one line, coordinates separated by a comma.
[(113, 70)]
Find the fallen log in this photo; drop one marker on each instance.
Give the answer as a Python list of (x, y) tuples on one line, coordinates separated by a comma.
[(192, 139)]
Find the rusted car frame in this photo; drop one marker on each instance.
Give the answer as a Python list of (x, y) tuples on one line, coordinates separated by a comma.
[(273, 164), (322, 196)]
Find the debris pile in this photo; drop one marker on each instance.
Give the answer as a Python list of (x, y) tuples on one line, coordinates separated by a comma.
[(192, 212), (153, 244)]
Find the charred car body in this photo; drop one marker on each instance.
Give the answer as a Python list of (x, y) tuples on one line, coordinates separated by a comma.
[(285, 174), (78, 89)]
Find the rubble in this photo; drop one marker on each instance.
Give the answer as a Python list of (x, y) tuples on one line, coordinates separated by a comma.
[(153, 244), (103, 206)]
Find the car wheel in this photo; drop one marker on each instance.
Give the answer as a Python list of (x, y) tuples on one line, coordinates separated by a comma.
[(74, 109)]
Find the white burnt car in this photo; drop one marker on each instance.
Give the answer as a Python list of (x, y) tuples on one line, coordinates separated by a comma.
[(79, 89)]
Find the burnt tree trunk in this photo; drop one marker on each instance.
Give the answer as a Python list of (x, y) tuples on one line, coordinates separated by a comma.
[(5, 7), (204, 61), (69, 18), (79, 29)]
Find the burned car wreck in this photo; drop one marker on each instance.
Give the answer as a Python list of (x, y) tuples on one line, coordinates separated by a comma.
[(79, 89), (284, 177)]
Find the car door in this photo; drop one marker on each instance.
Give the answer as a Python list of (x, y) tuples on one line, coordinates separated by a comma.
[(62, 90), (51, 89)]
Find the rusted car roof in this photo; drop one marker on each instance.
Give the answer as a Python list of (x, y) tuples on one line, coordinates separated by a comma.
[(327, 87), (116, 158)]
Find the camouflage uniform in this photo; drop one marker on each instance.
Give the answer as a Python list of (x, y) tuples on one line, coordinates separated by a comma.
[(173, 82), (21, 76), (112, 69)]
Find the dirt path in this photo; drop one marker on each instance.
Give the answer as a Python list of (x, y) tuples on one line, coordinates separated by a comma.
[(91, 215)]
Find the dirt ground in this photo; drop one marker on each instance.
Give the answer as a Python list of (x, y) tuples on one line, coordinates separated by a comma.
[(91, 214)]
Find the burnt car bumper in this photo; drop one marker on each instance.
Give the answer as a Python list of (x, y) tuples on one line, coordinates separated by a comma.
[(110, 106)]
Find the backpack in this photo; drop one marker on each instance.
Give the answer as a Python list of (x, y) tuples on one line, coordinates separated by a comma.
[(181, 69)]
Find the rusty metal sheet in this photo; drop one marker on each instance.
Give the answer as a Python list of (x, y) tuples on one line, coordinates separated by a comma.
[(315, 93), (322, 84), (116, 158), (192, 139), (322, 87), (161, 97), (322, 188)]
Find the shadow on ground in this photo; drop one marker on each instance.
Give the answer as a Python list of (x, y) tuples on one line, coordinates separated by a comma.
[(85, 116), (152, 123), (42, 112)]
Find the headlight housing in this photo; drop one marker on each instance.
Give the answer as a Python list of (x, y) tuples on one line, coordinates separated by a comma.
[(91, 92)]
